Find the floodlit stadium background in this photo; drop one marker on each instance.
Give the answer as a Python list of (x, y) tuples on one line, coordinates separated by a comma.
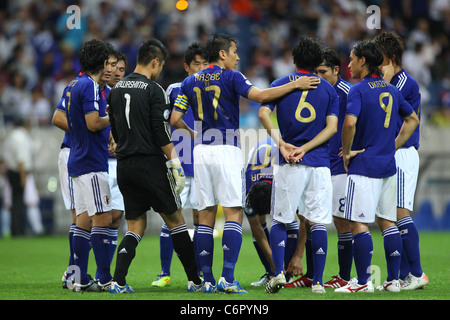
[(40, 42)]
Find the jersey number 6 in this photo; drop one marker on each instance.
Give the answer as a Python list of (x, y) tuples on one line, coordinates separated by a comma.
[(302, 104)]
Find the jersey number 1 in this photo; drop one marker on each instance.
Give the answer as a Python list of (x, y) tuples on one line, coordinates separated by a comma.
[(127, 108)]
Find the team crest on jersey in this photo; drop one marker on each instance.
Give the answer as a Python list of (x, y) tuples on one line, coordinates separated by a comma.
[(106, 200), (166, 114)]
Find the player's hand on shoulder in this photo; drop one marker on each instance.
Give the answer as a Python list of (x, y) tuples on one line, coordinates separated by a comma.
[(307, 83), (178, 173)]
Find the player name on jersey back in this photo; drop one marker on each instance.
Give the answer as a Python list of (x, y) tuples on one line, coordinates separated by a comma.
[(378, 84), (132, 84)]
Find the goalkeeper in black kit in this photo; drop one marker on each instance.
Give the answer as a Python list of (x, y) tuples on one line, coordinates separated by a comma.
[(149, 173)]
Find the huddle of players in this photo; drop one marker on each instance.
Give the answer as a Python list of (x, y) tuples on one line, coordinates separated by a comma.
[(371, 152), (307, 113)]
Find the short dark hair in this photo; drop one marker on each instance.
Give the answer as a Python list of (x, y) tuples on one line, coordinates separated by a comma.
[(331, 58), (372, 52), (122, 57), (93, 55), (151, 49), (217, 42), (259, 198), (112, 51), (391, 45), (194, 49), (307, 54)]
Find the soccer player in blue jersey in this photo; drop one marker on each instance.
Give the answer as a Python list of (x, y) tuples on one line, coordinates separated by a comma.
[(109, 235), (88, 165), (373, 106), (214, 94), (329, 71), (307, 119), (407, 161), (59, 120), (194, 61)]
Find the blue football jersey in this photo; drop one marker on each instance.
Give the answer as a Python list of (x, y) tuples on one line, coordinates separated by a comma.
[(213, 94), (301, 115), (376, 104), (342, 88), (89, 150), (183, 144), (410, 91), (66, 143), (262, 159)]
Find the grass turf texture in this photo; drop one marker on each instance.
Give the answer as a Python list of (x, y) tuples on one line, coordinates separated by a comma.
[(31, 269)]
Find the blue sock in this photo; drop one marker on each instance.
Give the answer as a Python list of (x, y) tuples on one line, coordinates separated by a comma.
[(319, 246), (291, 242), (309, 257), (205, 247), (165, 250), (261, 255), (112, 235), (345, 255), (362, 254), (231, 244), (410, 251), (71, 232), (278, 239), (100, 245), (81, 248), (194, 241), (392, 251)]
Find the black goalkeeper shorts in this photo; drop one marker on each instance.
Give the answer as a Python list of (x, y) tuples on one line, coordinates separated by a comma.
[(146, 183)]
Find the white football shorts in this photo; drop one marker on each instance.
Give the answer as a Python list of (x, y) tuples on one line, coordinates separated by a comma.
[(116, 196), (188, 196), (407, 160), (219, 176), (65, 180), (367, 197), (339, 182), (308, 189), (91, 193)]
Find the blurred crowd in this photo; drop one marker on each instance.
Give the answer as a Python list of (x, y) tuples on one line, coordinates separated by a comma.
[(39, 53)]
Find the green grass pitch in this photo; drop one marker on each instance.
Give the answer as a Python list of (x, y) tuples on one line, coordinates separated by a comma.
[(31, 269)]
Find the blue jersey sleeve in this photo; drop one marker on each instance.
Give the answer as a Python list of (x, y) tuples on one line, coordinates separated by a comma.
[(91, 97), (62, 103), (354, 102), (404, 108), (241, 84), (181, 102), (333, 109)]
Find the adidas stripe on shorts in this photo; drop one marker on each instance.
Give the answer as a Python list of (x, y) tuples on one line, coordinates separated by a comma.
[(308, 189), (407, 160), (91, 193), (367, 197)]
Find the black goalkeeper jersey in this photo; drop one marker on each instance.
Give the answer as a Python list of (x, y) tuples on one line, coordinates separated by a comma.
[(139, 110)]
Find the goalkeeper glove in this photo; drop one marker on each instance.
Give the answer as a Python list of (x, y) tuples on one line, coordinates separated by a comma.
[(178, 174)]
